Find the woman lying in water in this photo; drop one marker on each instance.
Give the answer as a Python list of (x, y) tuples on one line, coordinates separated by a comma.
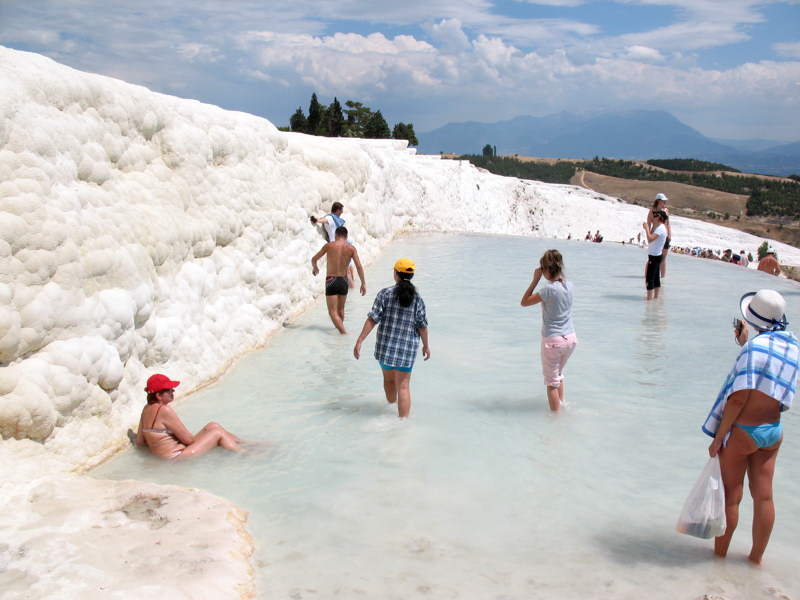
[(167, 437)]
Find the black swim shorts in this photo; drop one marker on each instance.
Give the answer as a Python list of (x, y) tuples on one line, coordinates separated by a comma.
[(336, 286)]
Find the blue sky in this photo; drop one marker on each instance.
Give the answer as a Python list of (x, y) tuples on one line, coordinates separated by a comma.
[(729, 68)]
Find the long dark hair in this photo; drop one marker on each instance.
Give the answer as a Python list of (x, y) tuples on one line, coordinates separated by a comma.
[(405, 290)]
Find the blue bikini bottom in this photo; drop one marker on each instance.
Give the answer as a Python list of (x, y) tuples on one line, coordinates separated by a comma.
[(764, 435)]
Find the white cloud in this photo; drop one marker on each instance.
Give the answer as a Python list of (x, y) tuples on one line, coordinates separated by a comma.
[(462, 59), (554, 2), (500, 80), (787, 49), (449, 35), (494, 53), (644, 54), (542, 32), (342, 62), (685, 36), (194, 51), (42, 37)]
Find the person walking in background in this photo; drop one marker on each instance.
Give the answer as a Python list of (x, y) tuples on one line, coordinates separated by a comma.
[(656, 240), (340, 253), (745, 420), (399, 313), (769, 264), (558, 333), (161, 430), (331, 221), (660, 203)]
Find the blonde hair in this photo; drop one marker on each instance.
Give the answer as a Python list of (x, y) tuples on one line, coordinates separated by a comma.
[(552, 262)]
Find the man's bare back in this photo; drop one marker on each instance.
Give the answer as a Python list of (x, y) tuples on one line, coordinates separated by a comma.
[(339, 254)]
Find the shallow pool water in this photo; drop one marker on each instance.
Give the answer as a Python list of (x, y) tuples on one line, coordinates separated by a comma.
[(483, 493)]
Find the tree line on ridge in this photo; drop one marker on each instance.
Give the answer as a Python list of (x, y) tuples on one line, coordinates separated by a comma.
[(356, 120)]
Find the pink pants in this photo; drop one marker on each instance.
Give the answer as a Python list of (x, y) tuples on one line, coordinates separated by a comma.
[(555, 354)]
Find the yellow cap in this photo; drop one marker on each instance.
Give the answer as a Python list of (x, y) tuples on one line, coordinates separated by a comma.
[(405, 265)]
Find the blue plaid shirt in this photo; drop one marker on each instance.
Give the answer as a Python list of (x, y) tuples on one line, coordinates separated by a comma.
[(398, 328)]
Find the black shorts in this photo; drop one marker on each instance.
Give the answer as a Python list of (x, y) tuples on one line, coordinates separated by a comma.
[(336, 286)]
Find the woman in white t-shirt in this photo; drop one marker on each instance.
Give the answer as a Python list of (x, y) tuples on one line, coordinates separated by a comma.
[(660, 203), (558, 333), (656, 240)]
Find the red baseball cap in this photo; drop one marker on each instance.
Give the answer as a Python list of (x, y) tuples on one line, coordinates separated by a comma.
[(159, 382)]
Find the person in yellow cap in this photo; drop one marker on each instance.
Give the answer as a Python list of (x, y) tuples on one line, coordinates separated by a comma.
[(399, 313)]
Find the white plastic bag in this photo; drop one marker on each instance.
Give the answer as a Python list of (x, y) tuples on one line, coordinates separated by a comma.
[(703, 513)]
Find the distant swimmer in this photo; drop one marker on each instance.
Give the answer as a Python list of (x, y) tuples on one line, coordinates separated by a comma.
[(399, 313), (164, 433), (558, 333), (339, 254)]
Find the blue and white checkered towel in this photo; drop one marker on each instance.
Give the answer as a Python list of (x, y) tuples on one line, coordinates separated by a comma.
[(767, 363)]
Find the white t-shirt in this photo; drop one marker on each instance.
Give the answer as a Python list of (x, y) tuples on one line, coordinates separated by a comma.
[(657, 245), (331, 224)]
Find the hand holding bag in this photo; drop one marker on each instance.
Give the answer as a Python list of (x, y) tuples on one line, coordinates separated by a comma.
[(703, 513)]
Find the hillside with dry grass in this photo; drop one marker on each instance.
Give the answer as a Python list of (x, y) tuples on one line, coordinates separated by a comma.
[(693, 202), (703, 203)]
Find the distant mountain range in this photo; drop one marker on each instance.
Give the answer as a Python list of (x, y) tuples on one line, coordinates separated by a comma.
[(629, 135)]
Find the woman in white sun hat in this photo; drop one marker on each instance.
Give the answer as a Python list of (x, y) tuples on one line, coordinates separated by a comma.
[(745, 420)]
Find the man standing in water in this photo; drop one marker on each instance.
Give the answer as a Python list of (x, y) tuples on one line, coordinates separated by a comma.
[(339, 255), (769, 264)]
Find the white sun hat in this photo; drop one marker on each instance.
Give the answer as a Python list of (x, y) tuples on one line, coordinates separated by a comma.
[(661, 197), (764, 310)]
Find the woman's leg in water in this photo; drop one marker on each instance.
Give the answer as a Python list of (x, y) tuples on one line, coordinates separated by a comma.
[(211, 436), (397, 387), (733, 464)]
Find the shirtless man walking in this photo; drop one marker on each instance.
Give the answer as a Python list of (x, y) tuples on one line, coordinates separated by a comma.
[(339, 255), (769, 264)]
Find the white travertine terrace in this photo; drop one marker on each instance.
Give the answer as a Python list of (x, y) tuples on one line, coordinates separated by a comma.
[(141, 233)]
